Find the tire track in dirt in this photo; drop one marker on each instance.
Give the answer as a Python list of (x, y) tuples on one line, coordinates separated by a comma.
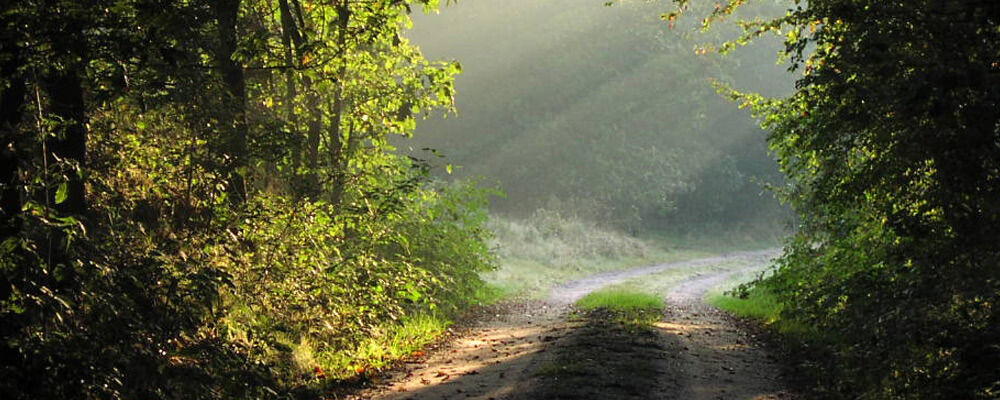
[(701, 354), (717, 359)]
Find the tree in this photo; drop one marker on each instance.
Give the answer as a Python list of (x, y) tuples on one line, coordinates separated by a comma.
[(232, 119), (890, 143)]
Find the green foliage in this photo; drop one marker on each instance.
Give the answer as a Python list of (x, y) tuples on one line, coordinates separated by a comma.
[(216, 235), (336, 282), (890, 147)]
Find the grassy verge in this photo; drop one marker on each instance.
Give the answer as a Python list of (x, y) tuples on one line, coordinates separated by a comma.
[(759, 304), (763, 306), (388, 346)]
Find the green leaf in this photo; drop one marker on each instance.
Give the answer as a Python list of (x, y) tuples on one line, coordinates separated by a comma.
[(62, 193)]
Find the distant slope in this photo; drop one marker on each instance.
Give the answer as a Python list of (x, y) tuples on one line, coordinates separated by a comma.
[(571, 104)]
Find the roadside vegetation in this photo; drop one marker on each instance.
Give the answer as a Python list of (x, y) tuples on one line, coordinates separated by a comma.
[(199, 200), (889, 146)]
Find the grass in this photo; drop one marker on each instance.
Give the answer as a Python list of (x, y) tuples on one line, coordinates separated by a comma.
[(763, 306), (759, 304), (620, 300), (378, 351), (540, 252), (632, 309)]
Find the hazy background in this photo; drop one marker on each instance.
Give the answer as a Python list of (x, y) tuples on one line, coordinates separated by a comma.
[(602, 113)]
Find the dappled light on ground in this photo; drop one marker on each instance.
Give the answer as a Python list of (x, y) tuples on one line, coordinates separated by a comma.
[(546, 350), (489, 360)]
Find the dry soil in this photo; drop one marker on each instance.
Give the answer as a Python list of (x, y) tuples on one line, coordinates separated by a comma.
[(547, 350)]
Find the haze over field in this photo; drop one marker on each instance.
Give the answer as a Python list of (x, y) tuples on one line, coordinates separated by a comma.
[(573, 106)]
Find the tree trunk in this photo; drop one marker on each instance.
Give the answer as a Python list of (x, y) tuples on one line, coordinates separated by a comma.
[(337, 154), (311, 186), (12, 99), (233, 115), (65, 92), (288, 29)]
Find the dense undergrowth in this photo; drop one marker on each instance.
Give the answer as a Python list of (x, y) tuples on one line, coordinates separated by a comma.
[(178, 301)]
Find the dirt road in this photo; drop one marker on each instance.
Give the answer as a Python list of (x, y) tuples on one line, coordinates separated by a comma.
[(542, 350)]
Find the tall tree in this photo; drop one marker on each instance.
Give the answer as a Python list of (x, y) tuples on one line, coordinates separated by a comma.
[(232, 118), (12, 100)]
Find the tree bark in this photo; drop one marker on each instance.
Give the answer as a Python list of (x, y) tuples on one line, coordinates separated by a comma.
[(337, 154), (233, 116), (12, 100), (288, 29), (311, 147), (69, 144)]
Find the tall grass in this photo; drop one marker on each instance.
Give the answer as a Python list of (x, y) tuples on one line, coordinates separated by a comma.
[(550, 248), (551, 238)]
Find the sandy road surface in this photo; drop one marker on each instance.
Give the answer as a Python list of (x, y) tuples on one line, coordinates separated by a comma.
[(695, 352)]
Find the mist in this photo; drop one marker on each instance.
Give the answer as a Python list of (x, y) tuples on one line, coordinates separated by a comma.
[(604, 112)]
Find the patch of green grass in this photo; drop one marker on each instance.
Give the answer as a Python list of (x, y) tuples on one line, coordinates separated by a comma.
[(760, 304), (619, 300), (380, 350), (632, 309)]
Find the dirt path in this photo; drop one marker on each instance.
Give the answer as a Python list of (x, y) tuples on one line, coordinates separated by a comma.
[(718, 360), (539, 350)]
